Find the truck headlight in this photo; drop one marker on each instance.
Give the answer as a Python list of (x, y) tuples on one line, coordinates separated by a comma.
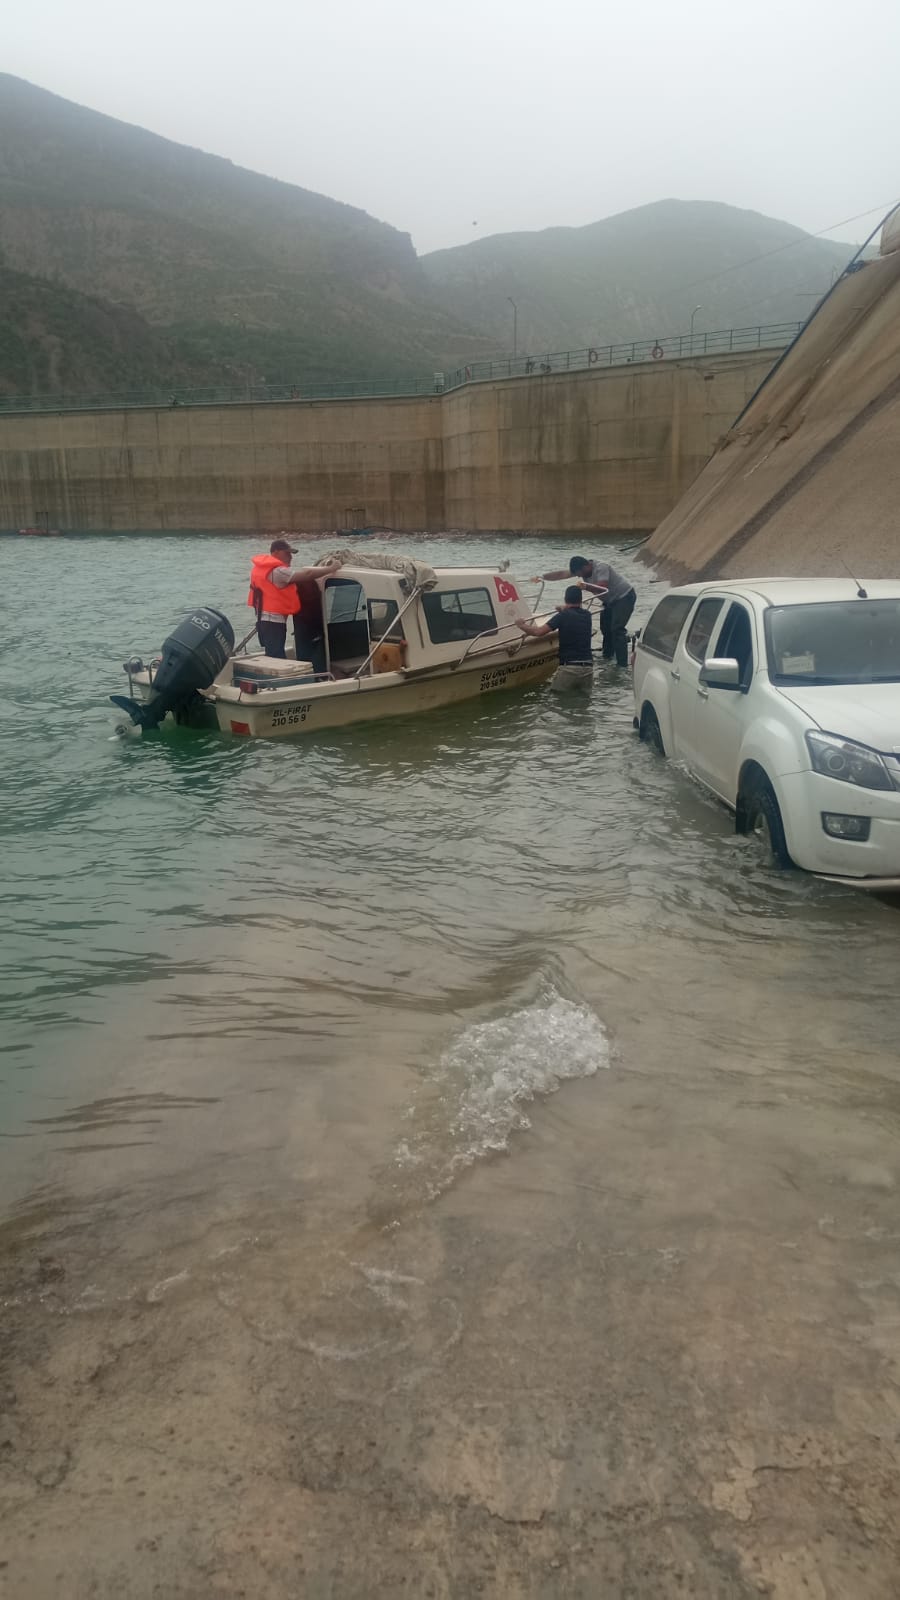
[(847, 761)]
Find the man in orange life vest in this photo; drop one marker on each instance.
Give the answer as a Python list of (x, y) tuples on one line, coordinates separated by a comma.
[(275, 597)]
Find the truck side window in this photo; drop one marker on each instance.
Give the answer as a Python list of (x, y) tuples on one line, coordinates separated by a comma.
[(662, 631), (700, 631), (736, 642)]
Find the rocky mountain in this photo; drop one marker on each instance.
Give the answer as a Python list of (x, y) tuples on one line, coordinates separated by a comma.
[(243, 271), (637, 275), (128, 261), (55, 341)]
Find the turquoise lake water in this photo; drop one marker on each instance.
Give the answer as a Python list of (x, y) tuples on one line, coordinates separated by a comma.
[(236, 956)]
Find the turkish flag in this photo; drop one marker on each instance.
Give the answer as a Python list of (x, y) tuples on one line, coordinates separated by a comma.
[(505, 589)]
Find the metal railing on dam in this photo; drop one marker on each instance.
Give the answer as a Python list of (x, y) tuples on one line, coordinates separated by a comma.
[(685, 346)]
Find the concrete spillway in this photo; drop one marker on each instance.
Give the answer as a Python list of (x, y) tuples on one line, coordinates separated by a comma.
[(809, 476)]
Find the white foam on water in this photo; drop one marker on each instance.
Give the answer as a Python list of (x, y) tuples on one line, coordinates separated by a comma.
[(155, 1294), (385, 1274), (337, 1352), (382, 1281), (492, 1073), (505, 1064)]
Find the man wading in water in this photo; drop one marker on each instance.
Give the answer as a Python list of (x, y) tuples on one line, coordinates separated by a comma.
[(574, 625), (618, 602)]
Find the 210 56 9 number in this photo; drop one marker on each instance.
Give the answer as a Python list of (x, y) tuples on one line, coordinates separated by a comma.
[(290, 716)]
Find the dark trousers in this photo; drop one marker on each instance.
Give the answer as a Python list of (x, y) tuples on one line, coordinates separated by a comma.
[(309, 643), (614, 620), (271, 636)]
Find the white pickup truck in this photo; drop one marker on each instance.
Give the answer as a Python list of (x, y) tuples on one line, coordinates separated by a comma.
[(782, 696)]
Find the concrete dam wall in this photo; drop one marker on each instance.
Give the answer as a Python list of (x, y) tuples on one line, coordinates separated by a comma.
[(590, 451), (809, 478)]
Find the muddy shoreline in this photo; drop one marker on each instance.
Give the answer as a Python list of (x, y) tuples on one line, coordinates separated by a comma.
[(672, 1374)]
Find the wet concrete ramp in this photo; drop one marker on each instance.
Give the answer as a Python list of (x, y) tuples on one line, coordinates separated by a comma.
[(808, 478)]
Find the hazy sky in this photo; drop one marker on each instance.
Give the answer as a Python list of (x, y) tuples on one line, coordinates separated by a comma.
[(438, 114)]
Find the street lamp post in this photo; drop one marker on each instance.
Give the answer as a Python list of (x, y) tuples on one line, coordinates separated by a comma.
[(693, 314), (515, 325)]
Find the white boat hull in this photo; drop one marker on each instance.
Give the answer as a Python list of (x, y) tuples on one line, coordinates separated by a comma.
[(273, 713), (394, 647)]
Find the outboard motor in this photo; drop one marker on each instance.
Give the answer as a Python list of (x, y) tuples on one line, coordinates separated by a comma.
[(191, 658)]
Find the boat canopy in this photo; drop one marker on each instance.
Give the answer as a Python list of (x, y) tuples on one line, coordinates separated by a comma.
[(412, 574)]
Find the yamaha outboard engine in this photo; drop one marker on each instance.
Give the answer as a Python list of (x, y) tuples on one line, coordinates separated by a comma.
[(191, 658)]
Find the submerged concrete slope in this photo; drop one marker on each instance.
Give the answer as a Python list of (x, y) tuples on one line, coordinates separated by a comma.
[(809, 476)]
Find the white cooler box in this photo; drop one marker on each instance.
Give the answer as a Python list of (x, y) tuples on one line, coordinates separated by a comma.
[(271, 672)]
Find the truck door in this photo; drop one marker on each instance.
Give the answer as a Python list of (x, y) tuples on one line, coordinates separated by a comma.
[(690, 655), (722, 714)]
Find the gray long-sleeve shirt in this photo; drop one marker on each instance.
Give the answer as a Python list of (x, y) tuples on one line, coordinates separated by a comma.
[(617, 587), (282, 576)]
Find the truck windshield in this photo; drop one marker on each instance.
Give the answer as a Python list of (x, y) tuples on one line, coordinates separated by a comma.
[(841, 641)]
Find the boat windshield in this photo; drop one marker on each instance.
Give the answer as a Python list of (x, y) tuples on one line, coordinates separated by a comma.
[(841, 641)]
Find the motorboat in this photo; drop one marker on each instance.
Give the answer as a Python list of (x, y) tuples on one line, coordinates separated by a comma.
[(41, 529), (399, 637)]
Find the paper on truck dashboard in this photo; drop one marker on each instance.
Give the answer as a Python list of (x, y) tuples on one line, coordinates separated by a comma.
[(798, 666)]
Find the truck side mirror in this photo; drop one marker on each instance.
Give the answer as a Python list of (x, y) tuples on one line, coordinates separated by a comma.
[(721, 672)]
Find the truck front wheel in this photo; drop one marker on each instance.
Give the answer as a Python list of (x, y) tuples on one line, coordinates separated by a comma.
[(650, 732), (759, 816)]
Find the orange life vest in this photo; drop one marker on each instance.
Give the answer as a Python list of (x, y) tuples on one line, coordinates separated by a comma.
[(284, 602)]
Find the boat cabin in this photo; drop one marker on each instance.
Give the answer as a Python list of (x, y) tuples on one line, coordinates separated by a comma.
[(365, 631)]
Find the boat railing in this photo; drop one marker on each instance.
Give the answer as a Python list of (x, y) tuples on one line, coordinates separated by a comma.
[(133, 666), (246, 639), (540, 595), (389, 629), (497, 645)]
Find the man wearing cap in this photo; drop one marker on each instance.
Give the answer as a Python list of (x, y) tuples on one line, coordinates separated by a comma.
[(275, 597), (618, 596)]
